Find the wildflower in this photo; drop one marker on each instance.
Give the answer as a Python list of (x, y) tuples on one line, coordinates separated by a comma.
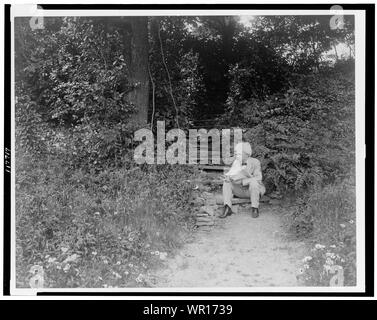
[(115, 213), (306, 259), (58, 267), (71, 258), (130, 239), (306, 266), (157, 253), (163, 255), (117, 275), (66, 267), (97, 213), (105, 261), (319, 246), (94, 253), (351, 221), (327, 268), (126, 273), (130, 265), (300, 271), (139, 278), (51, 260), (342, 225), (64, 249), (118, 263), (330, 255)]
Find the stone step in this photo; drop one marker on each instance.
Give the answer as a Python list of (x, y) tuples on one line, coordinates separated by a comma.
[(213, 182), (197, 148), (219, 200), (203, 216), (205, 223), (209, 157), (214, 168), (209, 174), (207, 160), (209, 220), (235, 201)]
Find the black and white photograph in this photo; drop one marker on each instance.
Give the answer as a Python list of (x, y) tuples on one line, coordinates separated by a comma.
[(187, 150)]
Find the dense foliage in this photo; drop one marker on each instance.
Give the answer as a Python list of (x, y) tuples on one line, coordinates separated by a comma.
[(304, 135)]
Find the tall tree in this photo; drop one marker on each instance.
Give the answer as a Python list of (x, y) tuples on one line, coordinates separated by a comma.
[(214, 41), (136, 54)]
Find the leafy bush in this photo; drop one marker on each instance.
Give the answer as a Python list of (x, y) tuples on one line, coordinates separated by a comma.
[(30, 128), (74, 72), (90, 230), (304, 136)]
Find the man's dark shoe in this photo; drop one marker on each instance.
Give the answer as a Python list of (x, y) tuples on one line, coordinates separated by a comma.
[(227, 211), (255, 212)]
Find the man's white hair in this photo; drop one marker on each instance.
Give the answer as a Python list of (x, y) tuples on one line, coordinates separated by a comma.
[(243, 147)]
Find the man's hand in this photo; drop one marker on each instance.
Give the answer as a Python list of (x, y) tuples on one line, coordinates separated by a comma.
[(238, 181), (225, 178), (230, 179)]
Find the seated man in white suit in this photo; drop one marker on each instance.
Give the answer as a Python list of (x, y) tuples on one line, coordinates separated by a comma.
[(243, 180)]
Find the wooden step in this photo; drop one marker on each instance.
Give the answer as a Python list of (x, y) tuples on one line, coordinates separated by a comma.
[(234, 201)]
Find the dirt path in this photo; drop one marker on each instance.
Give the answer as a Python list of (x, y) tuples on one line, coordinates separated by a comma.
[(239, 251)]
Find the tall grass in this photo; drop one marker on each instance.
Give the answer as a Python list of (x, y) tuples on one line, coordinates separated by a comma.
[(327, 219), (109, 221)]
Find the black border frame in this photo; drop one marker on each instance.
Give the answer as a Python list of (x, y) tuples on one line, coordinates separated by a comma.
[(369, 134)]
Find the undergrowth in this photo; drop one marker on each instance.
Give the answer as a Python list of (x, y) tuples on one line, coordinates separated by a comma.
[(326, 219), (97, 229)]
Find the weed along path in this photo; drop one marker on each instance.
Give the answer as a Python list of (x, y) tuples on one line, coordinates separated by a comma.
[(238, 251)]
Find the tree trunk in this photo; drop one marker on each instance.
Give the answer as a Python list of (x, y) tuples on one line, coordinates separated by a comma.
[(227, 34), (137, 60)]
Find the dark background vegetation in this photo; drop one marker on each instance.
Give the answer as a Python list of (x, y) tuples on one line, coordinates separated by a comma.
[(84, 85)]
